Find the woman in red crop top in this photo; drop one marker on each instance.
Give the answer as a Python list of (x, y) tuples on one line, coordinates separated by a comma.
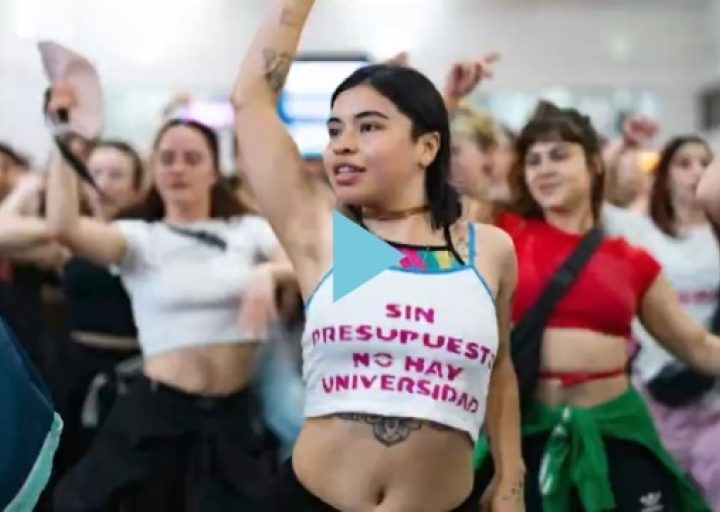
[(589, 443), (387, 160)]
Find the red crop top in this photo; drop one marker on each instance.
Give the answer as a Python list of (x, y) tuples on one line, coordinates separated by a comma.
[(605, 296)]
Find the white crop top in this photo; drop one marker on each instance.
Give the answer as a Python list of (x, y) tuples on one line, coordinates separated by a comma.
[(185, 292), (408, 343)]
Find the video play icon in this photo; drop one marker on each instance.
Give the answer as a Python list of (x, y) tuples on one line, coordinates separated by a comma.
[(358, 256)]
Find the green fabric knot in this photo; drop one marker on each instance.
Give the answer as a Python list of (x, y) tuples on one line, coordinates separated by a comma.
[(575, 448), (575, 454)]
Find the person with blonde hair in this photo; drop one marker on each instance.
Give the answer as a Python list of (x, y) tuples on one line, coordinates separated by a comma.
[(474, 141)]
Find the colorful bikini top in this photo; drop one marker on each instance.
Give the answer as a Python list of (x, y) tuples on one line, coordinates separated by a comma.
[(418, 341)]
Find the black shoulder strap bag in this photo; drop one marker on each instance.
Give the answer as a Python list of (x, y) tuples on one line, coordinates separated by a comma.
[(678, 385), (526, 336)]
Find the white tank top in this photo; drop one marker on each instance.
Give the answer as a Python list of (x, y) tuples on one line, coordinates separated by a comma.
[(408, 343)]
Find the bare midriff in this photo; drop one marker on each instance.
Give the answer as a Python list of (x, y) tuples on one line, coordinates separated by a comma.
[(382, 464), (211, 370), (581, 352)]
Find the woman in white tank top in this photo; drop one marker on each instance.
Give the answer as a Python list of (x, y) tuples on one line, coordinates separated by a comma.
[(685, 408), (399, 371)]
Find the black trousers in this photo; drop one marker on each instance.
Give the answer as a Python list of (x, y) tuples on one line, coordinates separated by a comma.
[(71, 383), (287, 494), (164, 450), (636, 477), (81, 365)]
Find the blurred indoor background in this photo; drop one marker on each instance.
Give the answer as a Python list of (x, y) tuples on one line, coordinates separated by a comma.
[(658, 57)]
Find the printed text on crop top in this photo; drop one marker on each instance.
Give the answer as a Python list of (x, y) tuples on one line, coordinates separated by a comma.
[(187, 293), (408, 343), (606, 294)]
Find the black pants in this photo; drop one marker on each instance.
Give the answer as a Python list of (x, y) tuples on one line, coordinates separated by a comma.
[(636, 477), (288, 495), (164, 450), (81, 365), (71, 383)]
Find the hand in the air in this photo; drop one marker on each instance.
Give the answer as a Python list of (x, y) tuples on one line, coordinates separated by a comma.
[(402, 59), (465, 76), (62, 97), (639, 130)]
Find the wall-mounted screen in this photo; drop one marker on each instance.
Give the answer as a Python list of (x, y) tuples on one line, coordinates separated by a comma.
[(304, 104)]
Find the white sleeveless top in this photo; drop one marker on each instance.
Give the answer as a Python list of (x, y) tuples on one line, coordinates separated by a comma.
[(408, 343)]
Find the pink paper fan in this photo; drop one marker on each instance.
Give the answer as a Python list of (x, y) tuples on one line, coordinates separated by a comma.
[(62, 63)]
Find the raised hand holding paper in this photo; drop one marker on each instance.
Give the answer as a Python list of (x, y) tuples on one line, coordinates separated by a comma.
[(75, 75)]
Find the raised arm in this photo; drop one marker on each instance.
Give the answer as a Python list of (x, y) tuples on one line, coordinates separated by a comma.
[(664, 317), (618, 154), (464, 77), (89, 238), (288, 195)]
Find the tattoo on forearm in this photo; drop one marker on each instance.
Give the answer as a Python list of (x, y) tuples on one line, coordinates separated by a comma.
[(516, 492), (277, 67), (290, 18), (390, 430)]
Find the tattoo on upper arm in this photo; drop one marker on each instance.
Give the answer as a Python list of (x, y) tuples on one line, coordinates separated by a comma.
[(290, 18), (391, 430), (277, 67)]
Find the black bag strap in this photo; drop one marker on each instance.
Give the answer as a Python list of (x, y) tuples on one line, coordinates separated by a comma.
[(562, 280), (204, 237), (58, 124)]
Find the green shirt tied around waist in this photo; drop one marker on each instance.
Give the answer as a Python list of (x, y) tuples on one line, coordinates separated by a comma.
[(575, 455)]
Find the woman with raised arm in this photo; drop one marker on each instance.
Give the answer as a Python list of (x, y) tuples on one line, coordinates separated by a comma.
[(101, 330), (588, 439), (183, 436), (392, 411)]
